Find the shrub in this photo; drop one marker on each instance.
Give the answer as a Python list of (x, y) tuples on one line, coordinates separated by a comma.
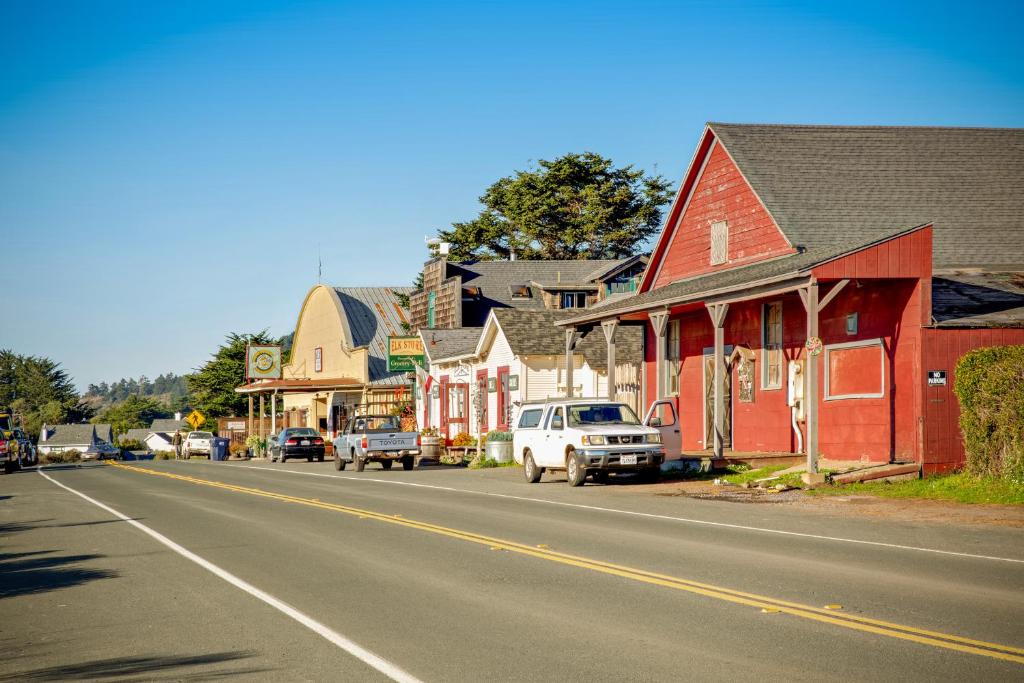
[(496, 435), (258, 445), (990, 388), (237, 448), (429, 431), (163, 455), (131, 445), (463, 439), (61, 456)]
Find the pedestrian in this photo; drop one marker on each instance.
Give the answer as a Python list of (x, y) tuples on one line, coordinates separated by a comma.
[(176, 442)]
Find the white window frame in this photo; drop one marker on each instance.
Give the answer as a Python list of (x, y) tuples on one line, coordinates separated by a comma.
[(721, 230), (673, 357), (318, 359), (764, 347), (829, 396)]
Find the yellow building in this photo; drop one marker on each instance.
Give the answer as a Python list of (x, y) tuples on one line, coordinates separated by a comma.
[(338, 362)]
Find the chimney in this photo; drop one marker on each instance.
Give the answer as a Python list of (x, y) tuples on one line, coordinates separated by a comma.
[(177, 416), (44, 434), (512, 254)]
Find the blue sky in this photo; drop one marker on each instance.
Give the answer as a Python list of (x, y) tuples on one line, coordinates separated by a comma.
[(168, 171)]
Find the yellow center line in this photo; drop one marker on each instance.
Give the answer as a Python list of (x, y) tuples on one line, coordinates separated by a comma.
[(876, 626)]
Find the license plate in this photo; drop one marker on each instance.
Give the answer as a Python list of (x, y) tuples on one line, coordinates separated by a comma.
[(627, 460), (305, 442)]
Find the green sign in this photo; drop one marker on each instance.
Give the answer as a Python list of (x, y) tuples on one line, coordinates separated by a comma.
[(405, 353)]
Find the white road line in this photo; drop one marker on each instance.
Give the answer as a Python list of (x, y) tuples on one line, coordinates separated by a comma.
[(382, 665), (685, 520)]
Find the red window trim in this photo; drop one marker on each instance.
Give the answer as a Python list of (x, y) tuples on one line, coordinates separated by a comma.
[(502, 415)]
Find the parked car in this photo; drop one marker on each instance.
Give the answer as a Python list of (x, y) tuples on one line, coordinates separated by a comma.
[(296, 442), (197, 443), (375, 438), (584, 437), (101, 451), (26, 450)]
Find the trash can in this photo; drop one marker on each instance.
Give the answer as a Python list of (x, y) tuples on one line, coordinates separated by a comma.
[(219, 448)]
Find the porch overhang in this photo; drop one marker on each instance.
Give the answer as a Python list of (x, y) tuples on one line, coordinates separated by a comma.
[(299, 385)]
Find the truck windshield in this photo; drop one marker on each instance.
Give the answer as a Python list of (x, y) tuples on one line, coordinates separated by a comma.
[(601, 414), (373, 423)]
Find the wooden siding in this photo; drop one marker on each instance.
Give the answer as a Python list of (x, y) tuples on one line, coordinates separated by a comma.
[(720, 194), (908, 256), (940, 423)]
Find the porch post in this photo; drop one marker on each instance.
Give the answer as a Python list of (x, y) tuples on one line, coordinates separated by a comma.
[(249, 432), (571, 335), (717, 313), (811, 393), (609, 327), (261, 416), (659, 321), (273, 413)]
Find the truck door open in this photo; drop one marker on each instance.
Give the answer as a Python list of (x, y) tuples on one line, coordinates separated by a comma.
[(663, 417)]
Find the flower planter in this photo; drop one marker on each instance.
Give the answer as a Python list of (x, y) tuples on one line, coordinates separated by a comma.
[(499, 451), (430, 447)]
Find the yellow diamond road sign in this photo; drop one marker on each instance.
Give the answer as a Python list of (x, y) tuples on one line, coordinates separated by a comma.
[(195, 418)]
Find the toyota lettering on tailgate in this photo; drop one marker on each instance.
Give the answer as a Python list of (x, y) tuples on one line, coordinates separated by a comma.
[(394, 442)]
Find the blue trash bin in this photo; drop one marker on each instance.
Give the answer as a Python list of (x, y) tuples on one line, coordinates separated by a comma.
[(219, 448)]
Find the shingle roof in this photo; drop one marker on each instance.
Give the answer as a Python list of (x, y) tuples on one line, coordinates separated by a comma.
[(69, 435), (169, 425), (533, 333), (494, 278), (135, 435), (829, 183), (449, 343), (372, 314), (978, 299), (104, 432)]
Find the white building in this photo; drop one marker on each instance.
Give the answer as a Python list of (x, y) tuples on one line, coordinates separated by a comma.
[(481, 374)]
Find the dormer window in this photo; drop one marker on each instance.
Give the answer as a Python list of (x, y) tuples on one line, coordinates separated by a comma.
[(520, 291), (574, 299), (471, 292), (719, 242)]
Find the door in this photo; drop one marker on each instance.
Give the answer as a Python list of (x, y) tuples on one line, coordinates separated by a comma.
[(709, 401), (458, 407), (481, 388), (504, 399), (552, 450), (662, 416)]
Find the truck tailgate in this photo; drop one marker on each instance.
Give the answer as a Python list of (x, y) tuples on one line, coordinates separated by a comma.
[(391, 441)]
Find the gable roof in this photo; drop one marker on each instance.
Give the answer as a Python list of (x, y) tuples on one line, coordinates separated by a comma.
[(135, 435), (69, 435), (104, 432), (534, 333), (371, 315), (825, 184), (494, 279), (439, 344), (169, 425)]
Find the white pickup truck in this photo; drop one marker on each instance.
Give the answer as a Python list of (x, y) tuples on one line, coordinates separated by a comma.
[(584, 436), (375, 438), (197, 443)]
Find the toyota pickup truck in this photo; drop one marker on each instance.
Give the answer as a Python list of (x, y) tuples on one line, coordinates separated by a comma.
[(375, 438), (197, 443), (584, 437)]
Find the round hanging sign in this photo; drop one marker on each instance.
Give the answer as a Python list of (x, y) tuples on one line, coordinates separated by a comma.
[(814, 346)]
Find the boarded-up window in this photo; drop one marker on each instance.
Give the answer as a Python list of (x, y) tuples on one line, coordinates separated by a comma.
[(771, 342), (855, 370), (672, 344), (719, 242)]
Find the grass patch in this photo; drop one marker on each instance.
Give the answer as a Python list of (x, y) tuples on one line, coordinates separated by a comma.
[(959, 487), (488, 464), (741, 476)]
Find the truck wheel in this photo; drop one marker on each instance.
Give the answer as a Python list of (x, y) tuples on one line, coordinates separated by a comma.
[(339, 464), (574, 471), (601, 476), (386, 464), (530, 468), (358, 463), (408, 462)]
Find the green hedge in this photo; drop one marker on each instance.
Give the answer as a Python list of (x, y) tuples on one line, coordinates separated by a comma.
[(990, 388)]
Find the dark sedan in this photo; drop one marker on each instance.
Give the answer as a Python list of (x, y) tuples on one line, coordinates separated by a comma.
[(296, 442)]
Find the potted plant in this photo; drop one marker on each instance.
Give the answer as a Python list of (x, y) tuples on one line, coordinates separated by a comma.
[(430, 443), (499, 446)]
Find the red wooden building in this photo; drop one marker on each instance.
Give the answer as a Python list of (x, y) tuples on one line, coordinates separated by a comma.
[(854, 265)]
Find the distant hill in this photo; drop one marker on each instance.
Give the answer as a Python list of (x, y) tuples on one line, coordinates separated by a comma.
[(168, 388)]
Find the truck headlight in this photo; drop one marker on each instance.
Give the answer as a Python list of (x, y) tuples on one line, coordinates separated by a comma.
[(596, 440), (654, 438)]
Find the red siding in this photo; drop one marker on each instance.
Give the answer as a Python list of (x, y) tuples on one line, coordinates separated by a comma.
[(942, 348), (906, 256), (720, 193)]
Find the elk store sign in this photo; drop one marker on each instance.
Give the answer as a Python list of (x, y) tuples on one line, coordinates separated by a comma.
[(405, 353)]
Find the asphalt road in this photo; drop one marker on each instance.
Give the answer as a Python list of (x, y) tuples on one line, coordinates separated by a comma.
[(261, 571)]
